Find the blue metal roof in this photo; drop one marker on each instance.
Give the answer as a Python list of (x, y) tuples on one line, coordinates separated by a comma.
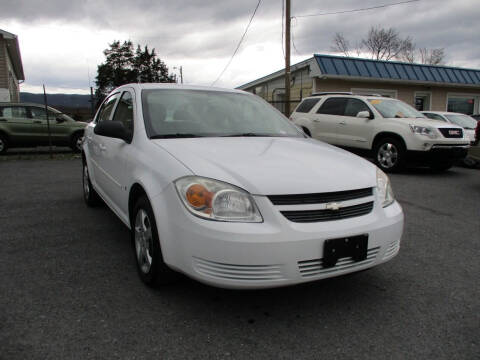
[(394, 70)]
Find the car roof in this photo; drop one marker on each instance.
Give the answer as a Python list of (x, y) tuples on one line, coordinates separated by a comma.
[(367, 97), (26, 104), (151, 86), (442, 112)]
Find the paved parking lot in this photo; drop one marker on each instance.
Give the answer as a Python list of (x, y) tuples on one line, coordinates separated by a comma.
[(69, 288)]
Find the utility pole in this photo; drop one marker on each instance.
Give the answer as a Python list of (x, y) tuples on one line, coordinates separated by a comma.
[(287, 58), (181, 75)]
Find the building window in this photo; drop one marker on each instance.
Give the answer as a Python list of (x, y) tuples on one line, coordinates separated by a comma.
[(462, 104), (423, 101)]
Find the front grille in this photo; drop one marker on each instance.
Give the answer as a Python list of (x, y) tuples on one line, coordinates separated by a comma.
[(451, 132), (315, 267), (238, 272), (305, 216), (320, 198)]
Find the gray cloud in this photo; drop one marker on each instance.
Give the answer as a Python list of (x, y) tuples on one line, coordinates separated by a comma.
[(207, 31)]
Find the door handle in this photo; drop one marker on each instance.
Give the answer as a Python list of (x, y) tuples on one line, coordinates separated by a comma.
[(102, 147), (37, 122), (3, 120), (342, 123)]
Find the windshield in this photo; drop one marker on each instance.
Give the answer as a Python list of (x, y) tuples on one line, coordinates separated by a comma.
[(192, 113), (391, 108), (463, 120)]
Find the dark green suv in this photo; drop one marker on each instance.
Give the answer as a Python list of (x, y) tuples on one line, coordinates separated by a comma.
[(25, 124)]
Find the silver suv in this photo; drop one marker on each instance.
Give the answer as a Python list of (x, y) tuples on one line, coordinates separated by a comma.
[(393, 131)]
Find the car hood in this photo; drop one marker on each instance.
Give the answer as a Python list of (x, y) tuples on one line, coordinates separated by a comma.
[(426, 122), (268, 166)]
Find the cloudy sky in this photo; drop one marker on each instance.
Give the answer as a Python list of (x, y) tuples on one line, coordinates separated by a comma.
[(62, 41)]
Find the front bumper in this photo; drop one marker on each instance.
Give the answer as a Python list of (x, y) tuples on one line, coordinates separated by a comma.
[(274, 253)]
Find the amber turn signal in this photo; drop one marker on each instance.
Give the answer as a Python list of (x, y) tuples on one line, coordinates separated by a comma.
[(198, 196)]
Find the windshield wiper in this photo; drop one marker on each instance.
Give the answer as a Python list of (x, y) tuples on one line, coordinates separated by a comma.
[(176, 135), (250, 134)]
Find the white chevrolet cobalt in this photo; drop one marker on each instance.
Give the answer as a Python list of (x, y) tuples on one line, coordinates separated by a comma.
[(220, 186)]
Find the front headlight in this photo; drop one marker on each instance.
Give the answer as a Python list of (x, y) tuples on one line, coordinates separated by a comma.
[(385, 192), (217, 200), (422, 130)]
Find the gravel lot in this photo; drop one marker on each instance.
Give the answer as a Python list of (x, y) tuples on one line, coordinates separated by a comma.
[(69, 288)]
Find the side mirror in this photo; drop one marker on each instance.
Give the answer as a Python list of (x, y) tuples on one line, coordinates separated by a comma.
[(60, 119), (113, 129), (365, 115)]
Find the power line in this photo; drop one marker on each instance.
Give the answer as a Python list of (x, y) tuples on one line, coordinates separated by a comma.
[(356, 10), (239, 43)]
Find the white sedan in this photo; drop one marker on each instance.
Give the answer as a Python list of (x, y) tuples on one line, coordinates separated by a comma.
[(220, 186), (468, 123)]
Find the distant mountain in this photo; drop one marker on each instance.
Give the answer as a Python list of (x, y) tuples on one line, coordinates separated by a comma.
[(62, 100)]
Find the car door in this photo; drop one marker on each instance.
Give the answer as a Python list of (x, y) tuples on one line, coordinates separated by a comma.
[(96, 146), (327, 118), (59, 131), (355, 131), (116, 152), (19, 126)]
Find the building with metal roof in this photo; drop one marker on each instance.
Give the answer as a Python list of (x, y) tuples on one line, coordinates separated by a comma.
[(427, 87), (11, 68)]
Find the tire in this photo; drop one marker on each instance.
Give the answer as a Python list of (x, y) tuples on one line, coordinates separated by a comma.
[(3, 144), (441, 165), (389, 154), (89, 194), (77, 141), (470, 162), (146, 246)]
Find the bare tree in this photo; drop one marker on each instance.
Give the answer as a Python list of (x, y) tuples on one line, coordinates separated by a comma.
[(432, 56), (341, 44), (385, 44)]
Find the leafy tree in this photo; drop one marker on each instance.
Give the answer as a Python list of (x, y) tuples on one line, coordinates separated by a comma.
[(387, 44), (123, 65)]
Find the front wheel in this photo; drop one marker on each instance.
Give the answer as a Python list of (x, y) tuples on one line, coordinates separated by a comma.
[(389, 154), (441, 165), (150, 265)]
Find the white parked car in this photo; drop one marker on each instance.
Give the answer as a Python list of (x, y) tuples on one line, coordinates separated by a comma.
[(466, 122), (220, 186), (394, 132)]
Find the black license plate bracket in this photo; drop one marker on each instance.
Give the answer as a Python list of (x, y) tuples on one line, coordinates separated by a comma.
[(354, 247)]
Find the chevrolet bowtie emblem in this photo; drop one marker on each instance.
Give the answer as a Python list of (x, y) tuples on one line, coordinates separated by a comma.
[(333, 206)]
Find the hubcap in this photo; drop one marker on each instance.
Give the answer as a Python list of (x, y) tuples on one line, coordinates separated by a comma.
[(387, 155), (143, 241), (86, 186), (1, 145)]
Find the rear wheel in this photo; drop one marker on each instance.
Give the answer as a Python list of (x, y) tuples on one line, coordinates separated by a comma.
[(77, 142), (150, 265), (389, 154), (3, 144), (89, 194)]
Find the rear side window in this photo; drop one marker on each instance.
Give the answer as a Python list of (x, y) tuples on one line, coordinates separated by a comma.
[(333, 106), (307, 105), (13, 112), (354, 106), (40, 114), (107, 108)]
